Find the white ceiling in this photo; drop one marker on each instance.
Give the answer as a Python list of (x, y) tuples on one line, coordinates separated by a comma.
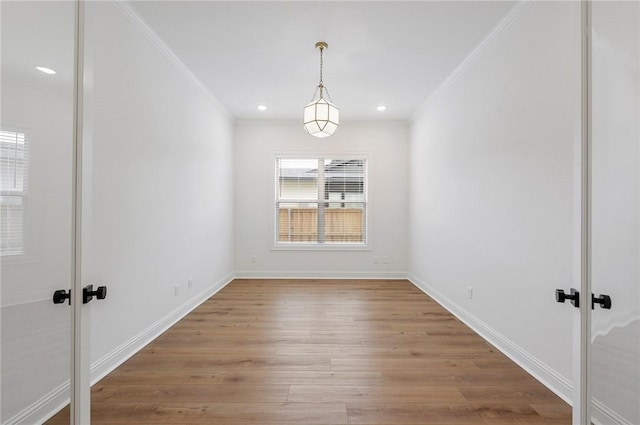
[(382, 52), (248, 53)]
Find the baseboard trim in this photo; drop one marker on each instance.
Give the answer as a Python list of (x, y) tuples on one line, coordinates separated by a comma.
[(250, 274), (43, 409), (602, 415), (54, 401), (551, 379), (115, 358)]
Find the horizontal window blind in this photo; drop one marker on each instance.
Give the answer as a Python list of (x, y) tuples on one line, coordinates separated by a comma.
[(14, 161), (321, 201)]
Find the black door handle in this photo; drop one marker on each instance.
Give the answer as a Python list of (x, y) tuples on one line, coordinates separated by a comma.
[(603, 300), (60, 295), (574, 297), (88, 293)]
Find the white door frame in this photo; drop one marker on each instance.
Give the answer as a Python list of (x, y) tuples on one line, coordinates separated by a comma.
[(582, 352), (582, 399), (80, 380)]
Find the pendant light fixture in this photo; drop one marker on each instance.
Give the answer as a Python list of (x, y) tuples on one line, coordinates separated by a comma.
[(321, 117)]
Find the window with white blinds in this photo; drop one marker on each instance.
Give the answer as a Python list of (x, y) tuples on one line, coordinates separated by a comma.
[(321, 201), (14, 161)]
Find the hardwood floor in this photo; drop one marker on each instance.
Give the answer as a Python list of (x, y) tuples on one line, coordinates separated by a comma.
[(321, 352)]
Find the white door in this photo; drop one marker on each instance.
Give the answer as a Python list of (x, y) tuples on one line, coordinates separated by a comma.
[(44, 319), (614, 372), (36, 207)]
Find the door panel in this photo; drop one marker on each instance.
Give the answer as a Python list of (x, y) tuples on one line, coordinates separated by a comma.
[(36, 207), (615, 358)]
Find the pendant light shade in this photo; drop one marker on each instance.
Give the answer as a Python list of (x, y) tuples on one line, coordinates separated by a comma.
[(321, 117)]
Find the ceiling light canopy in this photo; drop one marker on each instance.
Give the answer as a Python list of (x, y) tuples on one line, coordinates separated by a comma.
[(321, 117)]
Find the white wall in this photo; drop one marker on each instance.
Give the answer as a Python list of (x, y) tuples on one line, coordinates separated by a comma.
[(256, 145), (158, 185), (492, 189)]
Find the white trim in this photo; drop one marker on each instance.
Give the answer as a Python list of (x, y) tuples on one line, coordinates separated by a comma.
[(302, 246), (251, 274), (80, 393), (106, 364), (43, 409), (550, 378), (514, 13), (47, 406), (315, 154), (602, 415), (582, 414), (130, 12)]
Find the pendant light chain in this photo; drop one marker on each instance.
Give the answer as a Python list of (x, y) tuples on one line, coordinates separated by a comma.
[(321, 63), (321, 86)]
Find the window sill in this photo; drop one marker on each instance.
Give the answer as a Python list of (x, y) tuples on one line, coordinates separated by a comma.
[(320, 247)]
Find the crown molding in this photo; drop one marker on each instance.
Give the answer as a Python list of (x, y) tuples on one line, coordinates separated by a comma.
[(127, 10), (514, 13)]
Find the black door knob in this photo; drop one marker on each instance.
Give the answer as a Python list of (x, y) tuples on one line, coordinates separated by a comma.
[(603, 300), (88, 293), (60, 295), (574, 297)]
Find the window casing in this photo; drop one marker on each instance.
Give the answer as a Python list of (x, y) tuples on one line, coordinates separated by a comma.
[(321, 202), (14, 160)]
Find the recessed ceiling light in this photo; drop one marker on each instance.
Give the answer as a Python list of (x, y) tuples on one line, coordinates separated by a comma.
[(381, 108), (45, 70), (262, 107)]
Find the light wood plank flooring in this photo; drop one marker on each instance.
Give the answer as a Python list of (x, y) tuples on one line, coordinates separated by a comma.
[(321, 352)]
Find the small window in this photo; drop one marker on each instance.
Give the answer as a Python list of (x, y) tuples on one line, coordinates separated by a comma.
[(321, 201), (13, 192)]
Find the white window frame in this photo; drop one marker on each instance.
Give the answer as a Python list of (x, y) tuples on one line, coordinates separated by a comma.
[(19, 249), (330, 246)]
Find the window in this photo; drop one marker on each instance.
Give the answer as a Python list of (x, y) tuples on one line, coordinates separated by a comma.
[(321, 201), (13, 192)]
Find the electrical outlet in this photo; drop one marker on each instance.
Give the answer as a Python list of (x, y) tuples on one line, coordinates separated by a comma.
[(176, 290), (385, 260), (189, 284), (470, 292), (253, 258), (376, 260)]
